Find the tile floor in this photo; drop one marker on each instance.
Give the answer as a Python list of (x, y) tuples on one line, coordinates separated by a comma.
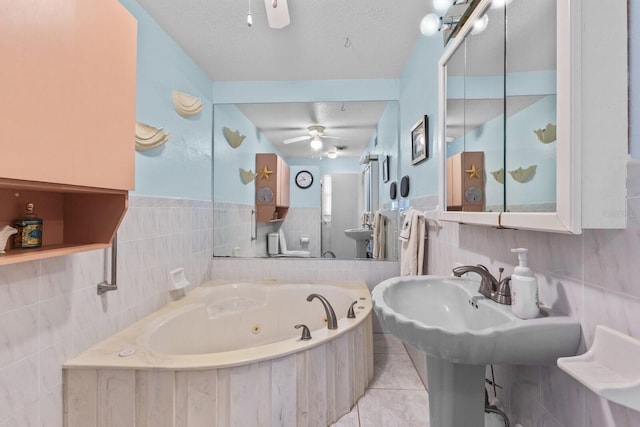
[(396, 396)]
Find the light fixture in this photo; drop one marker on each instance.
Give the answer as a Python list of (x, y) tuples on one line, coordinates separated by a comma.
[(332, 154), (430, 24), (442, 5), (249, 18), (480, 25), (453, 12), (496, 4), (316, 143)]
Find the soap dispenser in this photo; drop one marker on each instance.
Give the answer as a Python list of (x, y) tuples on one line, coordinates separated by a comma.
[(524, 288)]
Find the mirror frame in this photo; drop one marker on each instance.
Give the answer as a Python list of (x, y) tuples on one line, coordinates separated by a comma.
[(567, 217)]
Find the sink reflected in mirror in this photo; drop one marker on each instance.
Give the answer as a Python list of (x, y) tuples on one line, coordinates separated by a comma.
[(359, 234), (362, 236)]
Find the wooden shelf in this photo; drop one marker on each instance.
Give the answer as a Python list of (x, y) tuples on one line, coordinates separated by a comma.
[(13, 256), (278, 182), (75, 218)]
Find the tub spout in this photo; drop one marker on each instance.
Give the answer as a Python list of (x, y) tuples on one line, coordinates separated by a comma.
[(332, 322)]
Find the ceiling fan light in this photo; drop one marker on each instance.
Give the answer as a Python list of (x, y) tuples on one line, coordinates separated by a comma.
[(332, 154), (316, 143)]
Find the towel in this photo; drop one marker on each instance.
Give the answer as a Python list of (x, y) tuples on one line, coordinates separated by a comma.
[(378, 236), (412, 249), (405, 232)]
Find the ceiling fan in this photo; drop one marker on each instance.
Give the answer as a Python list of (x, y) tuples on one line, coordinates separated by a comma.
[(316, 134)]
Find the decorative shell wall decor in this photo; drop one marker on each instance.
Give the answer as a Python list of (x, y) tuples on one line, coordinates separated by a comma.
[(233, 137), (246, 176), (186, 105), (547, 134), (523, 175), (149, 137), (499, 175)]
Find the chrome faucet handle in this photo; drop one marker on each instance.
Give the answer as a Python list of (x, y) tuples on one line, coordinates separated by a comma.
[(351, 314), (306, 335), (503, 294), (483, 267), (488, 283)]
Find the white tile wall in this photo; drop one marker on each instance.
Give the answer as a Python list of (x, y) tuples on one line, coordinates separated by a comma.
[(49, 310)]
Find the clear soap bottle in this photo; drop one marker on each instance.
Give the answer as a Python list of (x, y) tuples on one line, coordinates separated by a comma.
[(524, 288)]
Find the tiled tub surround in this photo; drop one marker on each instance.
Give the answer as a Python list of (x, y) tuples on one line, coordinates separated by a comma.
[(49, 310), (299, 222), (234, 228), (592, 277), (289, 382)]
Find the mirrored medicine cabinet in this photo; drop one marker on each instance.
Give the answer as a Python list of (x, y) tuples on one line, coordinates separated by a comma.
[(533, 117)]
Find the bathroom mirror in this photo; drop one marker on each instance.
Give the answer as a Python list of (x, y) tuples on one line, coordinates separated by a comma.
[(343, 187), (499, 110)]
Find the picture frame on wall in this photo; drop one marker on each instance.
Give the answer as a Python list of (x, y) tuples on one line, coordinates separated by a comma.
[(420, 141), (385, 169)]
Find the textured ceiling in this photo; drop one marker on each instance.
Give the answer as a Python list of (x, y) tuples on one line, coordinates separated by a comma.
[(326, 39)]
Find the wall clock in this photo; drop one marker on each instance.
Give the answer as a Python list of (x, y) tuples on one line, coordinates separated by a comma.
[(304, 179), (265, 195), (473, 194)]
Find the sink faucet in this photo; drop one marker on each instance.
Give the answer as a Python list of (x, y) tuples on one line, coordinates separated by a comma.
[(490, 287), (332, 322)]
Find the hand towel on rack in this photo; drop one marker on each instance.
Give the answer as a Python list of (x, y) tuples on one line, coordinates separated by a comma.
[(378, 236), (412, 249), (405, 232)]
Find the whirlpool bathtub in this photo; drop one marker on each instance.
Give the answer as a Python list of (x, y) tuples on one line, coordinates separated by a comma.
[(228, 354)]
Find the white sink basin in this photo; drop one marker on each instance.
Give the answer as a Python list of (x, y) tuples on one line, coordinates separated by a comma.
[(447, 318), (359, 233), (461, 331)]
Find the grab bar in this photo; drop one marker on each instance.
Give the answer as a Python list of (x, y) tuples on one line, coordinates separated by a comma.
[(254, 235), (105, 286)]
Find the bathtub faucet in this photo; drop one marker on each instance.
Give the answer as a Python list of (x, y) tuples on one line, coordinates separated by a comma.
[(332, 322)]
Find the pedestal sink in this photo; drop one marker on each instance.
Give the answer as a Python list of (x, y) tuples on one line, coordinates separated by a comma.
[(361, 236), (461, 331)]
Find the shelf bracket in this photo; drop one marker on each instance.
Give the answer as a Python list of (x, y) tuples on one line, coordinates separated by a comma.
[(105, 286)]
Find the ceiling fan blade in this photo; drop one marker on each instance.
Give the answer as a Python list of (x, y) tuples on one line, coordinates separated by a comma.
[(296, 139), (331, 137), (277, 13)]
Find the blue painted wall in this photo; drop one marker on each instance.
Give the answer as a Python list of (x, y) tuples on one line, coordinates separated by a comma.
[(418, 97), (182, 166), (227, 161)]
